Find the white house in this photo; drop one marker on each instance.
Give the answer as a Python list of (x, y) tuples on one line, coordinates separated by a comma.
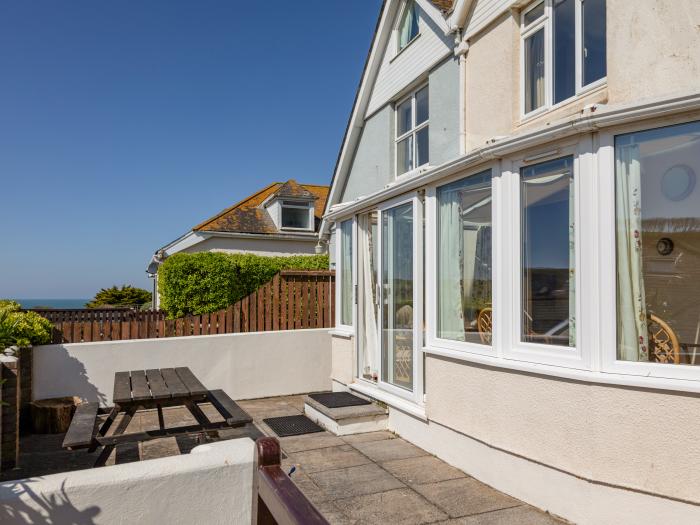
[(281, 219), (515, 218)]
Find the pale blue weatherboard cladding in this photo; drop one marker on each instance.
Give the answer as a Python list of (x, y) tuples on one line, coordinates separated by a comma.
[(444, 112), (372, 167)]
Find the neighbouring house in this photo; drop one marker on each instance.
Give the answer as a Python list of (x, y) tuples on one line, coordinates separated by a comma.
[(515, 223), (281, 219)]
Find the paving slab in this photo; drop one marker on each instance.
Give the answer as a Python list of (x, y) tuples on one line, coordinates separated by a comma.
[(355, 481), (310, 442), (396, 506), (333, 514), (369, 436), (328, 458), (389, 449), (523, 515), (422, 469), (465, 496)]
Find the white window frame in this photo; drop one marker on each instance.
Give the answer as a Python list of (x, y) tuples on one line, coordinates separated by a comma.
[(308, 206), (339, 326), (431, 262), (665, 374), (397, 30), (416, 395), (411, 132), (546, 22)]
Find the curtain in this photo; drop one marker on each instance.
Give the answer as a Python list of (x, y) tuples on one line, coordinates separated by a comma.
[(450, 257), (534, 65), (631, 307), (368, 288), (409, 26)]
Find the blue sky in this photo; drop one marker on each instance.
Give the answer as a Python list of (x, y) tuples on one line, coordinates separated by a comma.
[(125, 123)]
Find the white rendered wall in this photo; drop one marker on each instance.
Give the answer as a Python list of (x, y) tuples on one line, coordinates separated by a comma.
[(265, 247), (211, 485), (245, 366)]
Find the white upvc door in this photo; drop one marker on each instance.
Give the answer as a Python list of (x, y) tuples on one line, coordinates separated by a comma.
[(400, 302)]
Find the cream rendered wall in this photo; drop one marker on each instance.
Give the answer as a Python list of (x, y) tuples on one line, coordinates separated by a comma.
[(653, 48), (342, 352), (256, 246), (636, 439)]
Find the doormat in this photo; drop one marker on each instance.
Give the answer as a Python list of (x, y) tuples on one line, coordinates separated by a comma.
[(338, 399), (292, 425)]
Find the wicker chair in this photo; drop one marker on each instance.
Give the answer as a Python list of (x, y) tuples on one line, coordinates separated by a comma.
[(663, 342), (484, 323)]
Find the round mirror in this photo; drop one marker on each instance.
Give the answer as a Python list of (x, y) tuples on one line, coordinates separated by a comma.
[(678, 182)]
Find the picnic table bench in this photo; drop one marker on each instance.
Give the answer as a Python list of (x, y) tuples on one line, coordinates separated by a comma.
[(144, 390)]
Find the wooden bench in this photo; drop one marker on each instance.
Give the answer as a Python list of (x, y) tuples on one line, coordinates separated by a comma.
[(83, 427)]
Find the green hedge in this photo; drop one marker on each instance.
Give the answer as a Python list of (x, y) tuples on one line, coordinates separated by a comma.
[(197, 283)]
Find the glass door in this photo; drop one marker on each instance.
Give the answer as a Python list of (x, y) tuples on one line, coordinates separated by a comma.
[(398, 314)]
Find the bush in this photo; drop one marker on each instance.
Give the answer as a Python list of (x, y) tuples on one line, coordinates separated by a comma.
[(197, 283), (124, 296), (22, 328)]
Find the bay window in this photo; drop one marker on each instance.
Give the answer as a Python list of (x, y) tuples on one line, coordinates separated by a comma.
[(563, 50), (657, 205), (548, 253), (412, 128), (464, 290)]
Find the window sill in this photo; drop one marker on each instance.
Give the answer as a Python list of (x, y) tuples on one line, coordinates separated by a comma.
[(573, 374), (591, 90), (340, 332), (392, 400)]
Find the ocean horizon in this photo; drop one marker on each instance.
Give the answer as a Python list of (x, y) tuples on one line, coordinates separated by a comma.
[(68, 304)]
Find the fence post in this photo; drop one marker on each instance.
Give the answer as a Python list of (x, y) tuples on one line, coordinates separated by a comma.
[(9, 412)]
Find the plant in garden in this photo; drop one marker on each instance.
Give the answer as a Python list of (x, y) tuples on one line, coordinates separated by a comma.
[(22, 328), (197, 283), (115, 296)]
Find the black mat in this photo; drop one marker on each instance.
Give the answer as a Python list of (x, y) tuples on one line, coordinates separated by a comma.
[(338, 399), (292, 425)]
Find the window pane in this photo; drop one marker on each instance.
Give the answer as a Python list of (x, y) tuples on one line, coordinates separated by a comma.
[(593, 20), (564, 49), (422, 146), (534, 71), (408, 29), (548, 253), (404, 157), (404, 118), (464, 260), (397, 296), (422, 107), (295, 217), (658, 245), (534, 14), (346, 272)]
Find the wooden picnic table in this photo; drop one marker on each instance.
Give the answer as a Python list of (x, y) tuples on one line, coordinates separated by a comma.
[(149, 389)]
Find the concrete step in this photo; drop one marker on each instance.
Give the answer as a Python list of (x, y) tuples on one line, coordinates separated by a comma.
[(344, 421)]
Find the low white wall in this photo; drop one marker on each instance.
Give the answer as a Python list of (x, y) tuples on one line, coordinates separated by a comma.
[(245, 366), (211, 485)]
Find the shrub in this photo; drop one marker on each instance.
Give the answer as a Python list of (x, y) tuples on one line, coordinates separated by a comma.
[(22, 328), (197, 283), (124, 296)]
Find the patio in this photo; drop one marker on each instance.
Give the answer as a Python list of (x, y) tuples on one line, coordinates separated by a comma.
[(363, 478)]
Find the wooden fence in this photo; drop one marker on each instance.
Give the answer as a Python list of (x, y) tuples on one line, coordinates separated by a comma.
[(58, 315), (291, 300)]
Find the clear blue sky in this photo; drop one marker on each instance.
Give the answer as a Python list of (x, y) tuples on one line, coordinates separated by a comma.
[(125, 123)]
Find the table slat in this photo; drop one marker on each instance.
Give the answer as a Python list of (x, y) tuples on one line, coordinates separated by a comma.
[(122, 387), (175, 385), (82, 427), (227, 407), (159, 389), (194, 385), (139, 386)]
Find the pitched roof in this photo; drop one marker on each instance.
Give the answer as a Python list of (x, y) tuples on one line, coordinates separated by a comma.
[(443, 5), (248, 216)]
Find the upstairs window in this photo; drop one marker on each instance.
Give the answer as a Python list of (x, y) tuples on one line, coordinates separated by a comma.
[(408, 27), (297, 215), (563, 50), (412, 115)]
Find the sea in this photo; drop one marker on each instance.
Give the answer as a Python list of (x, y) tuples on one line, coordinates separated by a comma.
[(70, 304)]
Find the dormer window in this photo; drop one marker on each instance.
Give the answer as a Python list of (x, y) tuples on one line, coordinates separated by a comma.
[(408, 27), (297, 215)]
